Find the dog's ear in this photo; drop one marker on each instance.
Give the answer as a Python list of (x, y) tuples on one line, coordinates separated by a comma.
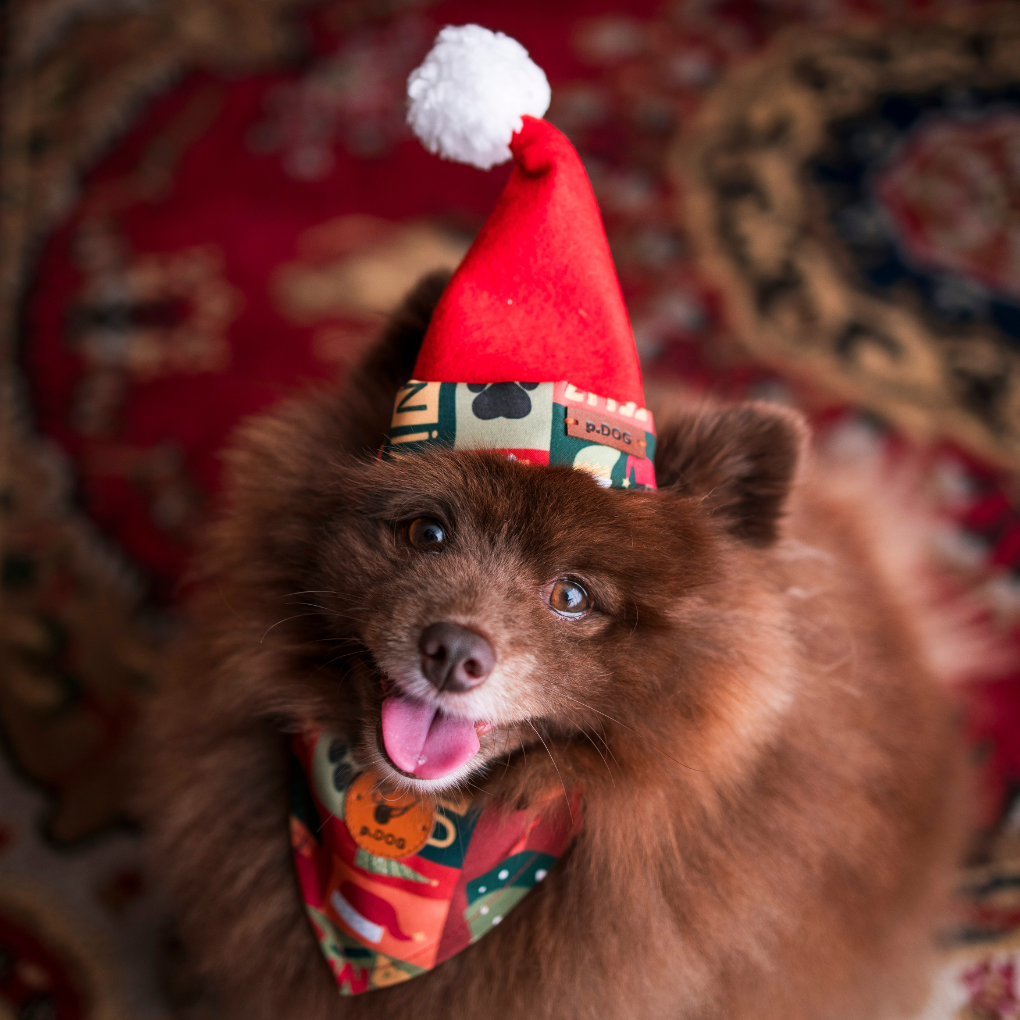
[(740, 460), (391, 361)]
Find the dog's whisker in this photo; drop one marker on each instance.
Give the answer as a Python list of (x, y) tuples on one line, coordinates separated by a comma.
[(287, 619), (690, 768), (313, 605), (337, 658), (524, 750), (566, 796), (605, 761), (321, 641), (609, 750)]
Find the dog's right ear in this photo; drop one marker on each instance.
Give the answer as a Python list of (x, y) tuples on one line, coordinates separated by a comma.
[(391, 360), (741, 461), (373, 384)]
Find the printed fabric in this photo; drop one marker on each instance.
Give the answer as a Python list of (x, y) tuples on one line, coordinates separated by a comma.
[(539, 423), (393, 886)]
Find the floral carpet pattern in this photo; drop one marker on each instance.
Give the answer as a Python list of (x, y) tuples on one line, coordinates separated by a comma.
[(210, 204)]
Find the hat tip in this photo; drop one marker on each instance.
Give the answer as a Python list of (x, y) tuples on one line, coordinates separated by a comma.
[(467, 98)]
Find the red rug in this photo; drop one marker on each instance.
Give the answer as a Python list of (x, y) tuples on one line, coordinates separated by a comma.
[(247, 232)]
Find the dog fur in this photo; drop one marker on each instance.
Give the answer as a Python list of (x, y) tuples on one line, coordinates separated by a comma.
[(769, 763)]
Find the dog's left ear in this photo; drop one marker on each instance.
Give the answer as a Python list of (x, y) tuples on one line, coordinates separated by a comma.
[(740, 460)]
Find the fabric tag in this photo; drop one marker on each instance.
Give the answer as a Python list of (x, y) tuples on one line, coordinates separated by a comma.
[(597, 428), (387, 824)]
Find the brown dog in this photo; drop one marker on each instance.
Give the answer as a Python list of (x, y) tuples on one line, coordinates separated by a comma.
[(769, 768)]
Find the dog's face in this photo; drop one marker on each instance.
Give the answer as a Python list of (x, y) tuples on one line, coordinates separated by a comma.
[(497, 601), (481, 604)]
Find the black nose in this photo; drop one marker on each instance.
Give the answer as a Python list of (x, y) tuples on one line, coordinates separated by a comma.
[(453, 658)]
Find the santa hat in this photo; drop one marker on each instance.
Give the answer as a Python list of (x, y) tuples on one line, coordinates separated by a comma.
[(529, 351)]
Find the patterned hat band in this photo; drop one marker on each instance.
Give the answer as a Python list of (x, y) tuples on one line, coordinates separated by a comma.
[(538, 423)]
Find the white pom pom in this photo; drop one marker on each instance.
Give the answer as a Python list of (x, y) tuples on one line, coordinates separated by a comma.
[(468, 96)]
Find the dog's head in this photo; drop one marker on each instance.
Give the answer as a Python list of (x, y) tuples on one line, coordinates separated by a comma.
[(462, 606)]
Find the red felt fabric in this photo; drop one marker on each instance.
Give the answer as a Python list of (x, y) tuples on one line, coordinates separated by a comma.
[(537, 298)]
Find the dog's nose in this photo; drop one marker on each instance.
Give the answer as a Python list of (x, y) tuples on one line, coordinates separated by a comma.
[(454, 658)]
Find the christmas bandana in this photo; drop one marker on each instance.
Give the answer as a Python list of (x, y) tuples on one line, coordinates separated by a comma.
[(541, 423), (394, 886)]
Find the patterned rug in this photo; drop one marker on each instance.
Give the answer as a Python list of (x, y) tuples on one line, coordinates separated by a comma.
[(209, 204)]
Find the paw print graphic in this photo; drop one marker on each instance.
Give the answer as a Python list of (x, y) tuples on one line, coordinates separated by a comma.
[(501, 400)]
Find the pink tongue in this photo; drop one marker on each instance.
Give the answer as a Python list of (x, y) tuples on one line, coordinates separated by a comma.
[(421, 740)]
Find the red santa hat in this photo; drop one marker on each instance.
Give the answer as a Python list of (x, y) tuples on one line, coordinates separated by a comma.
[(529, 350)]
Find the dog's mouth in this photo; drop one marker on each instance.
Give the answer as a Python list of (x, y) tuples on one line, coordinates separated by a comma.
[(423, 741)]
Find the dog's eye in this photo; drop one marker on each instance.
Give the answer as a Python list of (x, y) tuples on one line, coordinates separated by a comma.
[(427, 534), (568, 598)]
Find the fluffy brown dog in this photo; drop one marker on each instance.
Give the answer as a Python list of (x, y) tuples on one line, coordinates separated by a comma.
[(768, 766)]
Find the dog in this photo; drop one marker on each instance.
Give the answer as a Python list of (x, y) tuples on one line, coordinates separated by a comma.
[(728, 669)]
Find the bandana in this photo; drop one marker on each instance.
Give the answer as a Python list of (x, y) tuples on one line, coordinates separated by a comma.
[(394, 886), (540, 423)]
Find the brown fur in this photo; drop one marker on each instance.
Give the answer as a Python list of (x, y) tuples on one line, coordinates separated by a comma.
[(769, 767)]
